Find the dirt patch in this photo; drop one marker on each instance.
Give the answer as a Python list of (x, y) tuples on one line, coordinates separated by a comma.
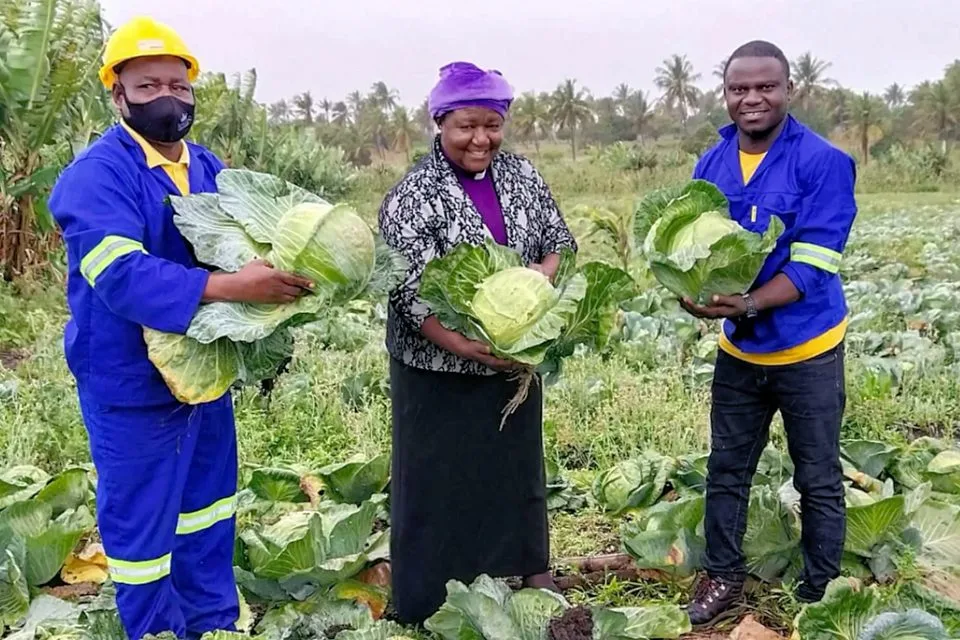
[(931, 429), (588, 571), (574, 624), (331, 632), (11, 358), (750, 629), (943, 584), (73, 592)]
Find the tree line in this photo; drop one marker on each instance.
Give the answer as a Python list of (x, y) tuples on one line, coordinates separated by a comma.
[(370, 124)]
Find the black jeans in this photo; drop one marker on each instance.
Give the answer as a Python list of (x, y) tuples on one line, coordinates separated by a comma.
[(811, 398)]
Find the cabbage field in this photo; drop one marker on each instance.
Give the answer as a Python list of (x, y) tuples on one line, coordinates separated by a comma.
[(625, 440)]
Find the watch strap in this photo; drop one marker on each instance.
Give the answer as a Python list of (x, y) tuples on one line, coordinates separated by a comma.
[(751, 305)]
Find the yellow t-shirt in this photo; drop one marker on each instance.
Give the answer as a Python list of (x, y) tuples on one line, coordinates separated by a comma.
[(178, 171), (749, 162)]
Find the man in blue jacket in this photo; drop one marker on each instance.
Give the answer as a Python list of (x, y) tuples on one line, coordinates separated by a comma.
[(167, 472), (781, 347)]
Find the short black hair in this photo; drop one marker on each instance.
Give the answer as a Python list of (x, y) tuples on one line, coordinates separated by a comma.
[(758, 49)]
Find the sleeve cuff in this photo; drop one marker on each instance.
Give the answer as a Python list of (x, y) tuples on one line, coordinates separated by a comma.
[(418, 313), (803, 276), (193, 288), (556, 246)]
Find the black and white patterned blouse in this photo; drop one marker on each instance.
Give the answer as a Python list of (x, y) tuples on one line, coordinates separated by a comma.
[(427, 214)]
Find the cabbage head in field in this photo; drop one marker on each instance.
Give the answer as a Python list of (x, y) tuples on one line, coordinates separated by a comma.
[(259, 216), (487, 293), (694, 248)]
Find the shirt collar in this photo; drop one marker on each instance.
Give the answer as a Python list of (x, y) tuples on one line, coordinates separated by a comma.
[(155, 158), (790, 129)]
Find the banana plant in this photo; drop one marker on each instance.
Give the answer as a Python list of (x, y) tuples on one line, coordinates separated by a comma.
[(50, 104)]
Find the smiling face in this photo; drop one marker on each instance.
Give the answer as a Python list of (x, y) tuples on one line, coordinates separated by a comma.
[(471, 137), (757, 92)]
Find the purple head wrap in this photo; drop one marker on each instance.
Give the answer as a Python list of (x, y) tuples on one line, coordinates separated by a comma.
[(463, 84)]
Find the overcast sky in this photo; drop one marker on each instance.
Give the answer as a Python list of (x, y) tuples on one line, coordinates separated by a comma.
[(332, 47)]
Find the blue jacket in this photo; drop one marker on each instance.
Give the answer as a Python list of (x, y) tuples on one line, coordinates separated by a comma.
[(129, 267), (809, 184)]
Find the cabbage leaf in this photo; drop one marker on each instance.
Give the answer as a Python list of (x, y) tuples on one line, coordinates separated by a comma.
[(259, 216)]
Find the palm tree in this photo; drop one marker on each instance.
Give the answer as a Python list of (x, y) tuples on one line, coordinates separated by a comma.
[(711, 108), (372, 121), (719, 71), (304, 106), (808, 73), (340, 114), (326, 106), (894, 96), (621, 94), (936, 108), (530, 116), (865, 113), (355, 102), (404, 130), (424, 120), (639, 113), (569, 109), (279, 111), (384, 97), (676, 78)]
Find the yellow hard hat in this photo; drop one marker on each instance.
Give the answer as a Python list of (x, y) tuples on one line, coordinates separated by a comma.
[(142, 37)]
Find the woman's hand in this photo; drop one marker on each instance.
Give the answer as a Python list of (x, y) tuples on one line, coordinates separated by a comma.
[(548, 267), (479, 352), (462, 346)]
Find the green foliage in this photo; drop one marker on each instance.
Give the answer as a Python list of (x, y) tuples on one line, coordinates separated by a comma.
[(700, 140), (640, 623), (634, 483), (357, 479), (851, 611), (50, 107), (488, 609)]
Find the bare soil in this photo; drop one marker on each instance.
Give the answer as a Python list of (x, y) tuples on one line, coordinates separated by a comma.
[(574, 624), (11, 358)]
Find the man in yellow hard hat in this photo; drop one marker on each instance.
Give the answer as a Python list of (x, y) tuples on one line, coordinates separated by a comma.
[(167, 472)]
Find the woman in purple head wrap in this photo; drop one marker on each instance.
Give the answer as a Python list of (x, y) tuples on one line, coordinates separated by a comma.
[(466, 497)]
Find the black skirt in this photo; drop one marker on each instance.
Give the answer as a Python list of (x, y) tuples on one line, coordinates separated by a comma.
[(465, 497)]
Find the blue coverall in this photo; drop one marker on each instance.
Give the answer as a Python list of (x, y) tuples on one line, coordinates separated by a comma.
[(167, 472)]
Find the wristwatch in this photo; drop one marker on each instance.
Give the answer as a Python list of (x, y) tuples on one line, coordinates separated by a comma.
[(751, 305)]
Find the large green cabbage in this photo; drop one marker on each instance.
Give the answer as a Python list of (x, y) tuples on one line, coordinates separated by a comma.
[(509, 303), (694, 248), (255, 215), (487, 293)]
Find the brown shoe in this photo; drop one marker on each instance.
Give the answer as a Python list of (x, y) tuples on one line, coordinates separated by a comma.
[(713, 600)]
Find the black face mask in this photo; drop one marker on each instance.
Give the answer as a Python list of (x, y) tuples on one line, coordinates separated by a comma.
[(163, 119)]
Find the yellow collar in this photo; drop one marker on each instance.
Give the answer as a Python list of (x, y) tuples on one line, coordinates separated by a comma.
[(154, 157)]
